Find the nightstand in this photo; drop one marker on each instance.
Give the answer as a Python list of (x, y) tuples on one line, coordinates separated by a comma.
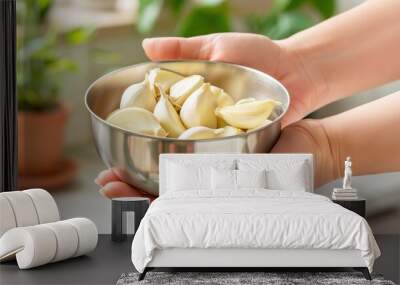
[(122, 206), (358, 206)]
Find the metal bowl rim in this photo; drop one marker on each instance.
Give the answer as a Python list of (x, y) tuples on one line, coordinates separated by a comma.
[(245, 134)]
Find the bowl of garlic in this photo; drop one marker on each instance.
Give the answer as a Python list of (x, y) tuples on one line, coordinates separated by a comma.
[(143, 110)]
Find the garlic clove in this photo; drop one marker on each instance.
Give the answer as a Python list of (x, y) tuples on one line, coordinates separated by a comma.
[(198, 109), (247, 115), (200, 133), (182, 89), (163, 78), (228, 131), (246, 100), (221, 123), (137, 120), (168, 117), (138, 95), (263, 124), (223, 98)]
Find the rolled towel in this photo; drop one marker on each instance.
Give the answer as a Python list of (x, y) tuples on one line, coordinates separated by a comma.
[(67, 240), (46, 207), (40, 244), (32, 246), (7, 218), (26, 208), (87, 234), (23, 208)]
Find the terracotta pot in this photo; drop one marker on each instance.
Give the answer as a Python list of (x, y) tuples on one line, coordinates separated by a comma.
[(41, 141)]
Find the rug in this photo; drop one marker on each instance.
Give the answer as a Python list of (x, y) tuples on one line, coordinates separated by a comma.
[(244, 278)]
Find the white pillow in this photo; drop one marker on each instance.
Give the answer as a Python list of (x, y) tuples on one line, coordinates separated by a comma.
[(228, 179), (251, 178), (193, 174), (289, 179), (223, 179), (292, 175), (182, 177)]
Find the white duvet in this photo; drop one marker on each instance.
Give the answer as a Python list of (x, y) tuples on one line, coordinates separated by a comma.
[(250, 218)]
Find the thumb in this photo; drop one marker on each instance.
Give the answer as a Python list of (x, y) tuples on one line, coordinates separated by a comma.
[(170, 48)]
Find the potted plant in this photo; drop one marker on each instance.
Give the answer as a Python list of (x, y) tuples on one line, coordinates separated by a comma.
[(41, 114)]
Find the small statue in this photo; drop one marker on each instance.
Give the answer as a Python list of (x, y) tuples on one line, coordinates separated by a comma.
[(347, 174)]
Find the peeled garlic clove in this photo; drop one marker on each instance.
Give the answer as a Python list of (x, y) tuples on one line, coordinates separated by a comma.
[(265, 123), (181, 90), (138, 95), (163, 78), (198, 109), (246, 100), (137, 120), (168, 117), (221, 123), (247, 115), (200, 133), (228, 131), (223, 98)]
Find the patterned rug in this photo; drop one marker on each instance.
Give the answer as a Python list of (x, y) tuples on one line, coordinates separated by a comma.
[(243, 278)]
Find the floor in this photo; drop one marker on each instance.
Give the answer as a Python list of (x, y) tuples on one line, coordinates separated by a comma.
[(103, 266), (110, 260)]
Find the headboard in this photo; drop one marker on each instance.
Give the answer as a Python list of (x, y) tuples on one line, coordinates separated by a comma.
[(210, 159)]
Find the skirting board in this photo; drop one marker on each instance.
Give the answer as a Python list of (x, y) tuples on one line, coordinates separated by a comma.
[(179, 257)]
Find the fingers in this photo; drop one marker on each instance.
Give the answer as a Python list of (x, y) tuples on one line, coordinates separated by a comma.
[(169, 48), (105, 177), (293, 115), (117, 189), (112, 187)]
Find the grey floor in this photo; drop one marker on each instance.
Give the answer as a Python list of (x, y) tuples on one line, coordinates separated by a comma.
[(103, 266), (110, 260)]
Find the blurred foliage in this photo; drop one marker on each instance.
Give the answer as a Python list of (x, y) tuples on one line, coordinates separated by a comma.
[(40, 66), (284, 18), (287, 17)]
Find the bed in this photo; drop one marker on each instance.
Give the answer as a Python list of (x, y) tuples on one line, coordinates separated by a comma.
[(246, 211)]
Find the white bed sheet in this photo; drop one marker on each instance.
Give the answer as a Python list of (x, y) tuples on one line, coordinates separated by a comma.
[(252, 218)]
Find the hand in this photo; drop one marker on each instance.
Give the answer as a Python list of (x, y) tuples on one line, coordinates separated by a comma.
[(113, 187), (311, 136), (272, 57)]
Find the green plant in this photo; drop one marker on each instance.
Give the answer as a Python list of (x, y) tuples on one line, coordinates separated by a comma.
[(283, 19), (40, 65), (287, 17)]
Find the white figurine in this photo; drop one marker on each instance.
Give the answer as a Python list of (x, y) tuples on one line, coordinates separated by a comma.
[(347, 174)]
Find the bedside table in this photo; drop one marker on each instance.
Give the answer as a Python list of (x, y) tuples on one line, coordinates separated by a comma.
[(119, 207), (357, 206)]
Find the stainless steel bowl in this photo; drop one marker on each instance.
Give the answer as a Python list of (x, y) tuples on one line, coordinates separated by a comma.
[(134, 157)]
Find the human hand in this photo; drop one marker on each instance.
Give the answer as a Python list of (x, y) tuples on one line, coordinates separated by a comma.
[(310, 136), (272, 57), (112, 186)]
